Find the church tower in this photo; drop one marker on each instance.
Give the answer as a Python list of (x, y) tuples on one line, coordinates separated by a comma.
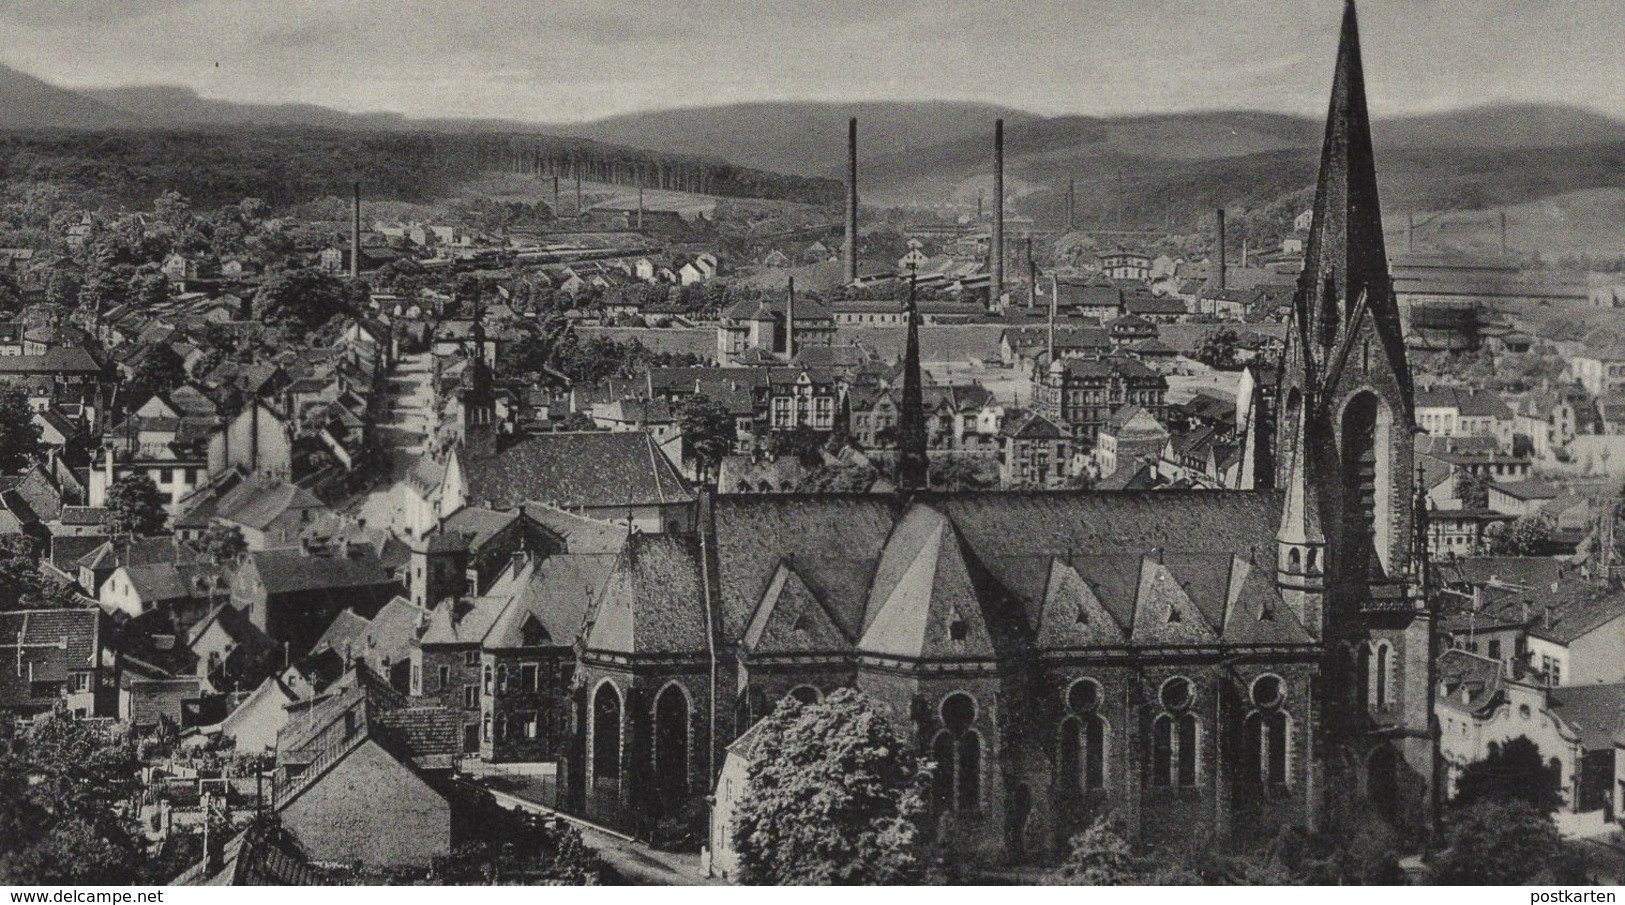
[(1345, 447), (479, 427), (913, 467)]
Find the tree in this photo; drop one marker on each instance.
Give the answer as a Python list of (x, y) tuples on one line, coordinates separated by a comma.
[(222, 543), (24, 585), (1473, 492), (1099, 857), (134, 508), (302, 301), (709, 430), (838, 477), (834, 796), (1506, 843), (1510, 772), (19, 434), (802, 442), (1530, 535), (62, 787), (1218, 349), (158, 371)]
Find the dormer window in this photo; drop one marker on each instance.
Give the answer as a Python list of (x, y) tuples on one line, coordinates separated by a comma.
[(958, 629)]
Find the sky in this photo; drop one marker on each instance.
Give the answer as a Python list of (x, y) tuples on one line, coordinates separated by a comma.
[(554, 61)]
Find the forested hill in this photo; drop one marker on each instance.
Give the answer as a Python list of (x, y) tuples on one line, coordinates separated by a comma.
[(289, 165)]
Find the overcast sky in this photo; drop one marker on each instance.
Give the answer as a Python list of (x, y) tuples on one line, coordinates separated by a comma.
[(564, 60)]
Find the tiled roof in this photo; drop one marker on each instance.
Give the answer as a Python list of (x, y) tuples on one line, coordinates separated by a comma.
[(648, 606), (51, 644), (591, 469), (293, 570), (1594, 712)]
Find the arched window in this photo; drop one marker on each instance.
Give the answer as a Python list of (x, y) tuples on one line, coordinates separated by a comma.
[(606, 733), (487, 678), (1175, 736), (806, 694), (671, 744), (1294, 561), (1083, 739), (486, 723), (1266, 731), (1380, 693), (502, 679), (957, 750), (1365, 432)]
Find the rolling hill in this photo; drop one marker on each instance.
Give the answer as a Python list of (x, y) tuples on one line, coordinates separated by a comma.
[(27, 102)]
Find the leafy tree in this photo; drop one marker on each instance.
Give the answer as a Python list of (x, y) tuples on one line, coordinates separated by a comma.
[(158, 371), (1473, 492), (222, 543), (1510, 772), (62, 785), (835, 796), (134, 508), (302, 301), (1530, 535), (962, 472), (838, 477), (709, 430), (1506, 843), (1099, 857), (1219, 349), (802, 442), (19, 435)]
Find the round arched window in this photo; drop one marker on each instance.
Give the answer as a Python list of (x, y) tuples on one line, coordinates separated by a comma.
[(1268, 691), (1083, 697), (1176, 693), (958, 711)]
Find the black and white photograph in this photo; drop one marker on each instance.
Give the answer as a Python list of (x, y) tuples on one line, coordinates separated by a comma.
[(1128, 443)]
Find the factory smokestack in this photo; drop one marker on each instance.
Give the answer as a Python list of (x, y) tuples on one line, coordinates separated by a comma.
[(790, 323), (995, 286), (851, 249), (1071, 204), (1221, 250), (557, 214), (355, 236)]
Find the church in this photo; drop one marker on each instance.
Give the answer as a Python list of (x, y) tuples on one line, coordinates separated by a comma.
[(1201, 665)]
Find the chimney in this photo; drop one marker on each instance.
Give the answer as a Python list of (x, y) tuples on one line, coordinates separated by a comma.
[(1246, 244), (578, 192), (640, 206), (995, 286), (355, 236), (556, 212), (1221, 250), (790, 323), (1071, 204), (851, 248)]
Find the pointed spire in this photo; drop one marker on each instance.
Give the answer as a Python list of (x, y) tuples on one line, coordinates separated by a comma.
[(912, 465), (1345, 255), (1300, 513)]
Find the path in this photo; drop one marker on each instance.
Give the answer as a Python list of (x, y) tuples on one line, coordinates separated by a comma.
[(403, 432)]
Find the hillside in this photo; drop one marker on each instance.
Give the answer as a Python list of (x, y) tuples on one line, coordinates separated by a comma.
[(171, 106), (1501, 126), (27, 102), (797, 137)]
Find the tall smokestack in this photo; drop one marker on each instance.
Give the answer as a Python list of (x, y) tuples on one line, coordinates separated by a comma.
[(851, 249), (1032, 275), (557, 214), (1246, 248), (995, 286), (1221, 249), (640, 206), (1071, 204), (790, 323), (578, 193), (355, 236)]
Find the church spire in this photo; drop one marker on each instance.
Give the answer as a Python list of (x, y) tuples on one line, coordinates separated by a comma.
[(1345, 259), (912, 466)]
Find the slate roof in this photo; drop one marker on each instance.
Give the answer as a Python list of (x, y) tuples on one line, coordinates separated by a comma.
[(288, 571), (54, 643), (550, 605), (465, 621), (648, 603), (589, 469), (1594, 712), (1468, 681), (259, 505)]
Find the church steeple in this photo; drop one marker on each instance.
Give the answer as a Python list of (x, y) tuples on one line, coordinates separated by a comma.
[(912, 465), (1345, 275), (479, 396)]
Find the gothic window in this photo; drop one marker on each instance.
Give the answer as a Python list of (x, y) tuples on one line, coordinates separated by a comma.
[(606, 733), (1363, 501), (487, 674), (1175, 736), (1083, 739), (957, 750), (502, 678), (806, 694), (1266, 731), (671, 744), (1294, 561)]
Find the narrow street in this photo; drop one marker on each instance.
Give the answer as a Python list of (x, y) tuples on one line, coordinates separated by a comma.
[(404, 435), (637, 863)]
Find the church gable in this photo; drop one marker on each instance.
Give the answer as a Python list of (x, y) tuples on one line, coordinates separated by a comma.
[(933, 601), (1255, 612), (790, 620), (1164, 613), (1073, 615)]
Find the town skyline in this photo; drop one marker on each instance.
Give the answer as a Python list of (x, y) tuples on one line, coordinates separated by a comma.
[(548, 67)]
